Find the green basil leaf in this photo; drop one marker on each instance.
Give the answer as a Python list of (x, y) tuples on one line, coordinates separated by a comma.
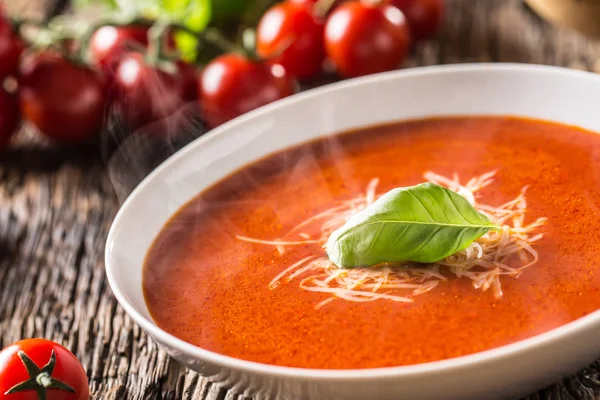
[(424, 223)]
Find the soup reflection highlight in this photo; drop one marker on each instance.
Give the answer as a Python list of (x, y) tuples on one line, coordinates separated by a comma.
[(242, 269)]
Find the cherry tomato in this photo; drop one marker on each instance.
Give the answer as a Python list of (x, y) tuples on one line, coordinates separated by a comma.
[(145, 94), (424, 16), (290, 35), (232, 85), (109, 43), (9, 116), (33, 369), (64, 100), (313, 2), (189, 81), (11, 48), (303, 2), (364, 38)]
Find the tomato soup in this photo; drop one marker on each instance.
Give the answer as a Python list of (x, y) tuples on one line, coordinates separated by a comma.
[(206, 286)]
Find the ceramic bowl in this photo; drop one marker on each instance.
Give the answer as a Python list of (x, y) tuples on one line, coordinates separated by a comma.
[(548, 93)]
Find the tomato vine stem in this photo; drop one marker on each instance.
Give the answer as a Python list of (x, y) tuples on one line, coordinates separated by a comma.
[(322, 7)]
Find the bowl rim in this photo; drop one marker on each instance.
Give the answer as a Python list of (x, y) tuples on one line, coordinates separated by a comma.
[(537, 342)]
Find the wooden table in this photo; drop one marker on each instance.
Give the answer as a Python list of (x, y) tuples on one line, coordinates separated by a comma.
[(56, 207)]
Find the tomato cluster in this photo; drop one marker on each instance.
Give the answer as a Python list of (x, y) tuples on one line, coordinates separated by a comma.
[(68, 99), (359, 37)]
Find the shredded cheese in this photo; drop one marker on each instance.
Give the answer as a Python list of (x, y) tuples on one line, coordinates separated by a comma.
[(506, 252)]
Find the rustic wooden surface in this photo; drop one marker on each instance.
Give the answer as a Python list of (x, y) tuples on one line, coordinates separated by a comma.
[(56, 206)]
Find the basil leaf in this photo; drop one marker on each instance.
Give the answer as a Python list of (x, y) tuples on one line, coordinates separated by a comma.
[(424, 223)]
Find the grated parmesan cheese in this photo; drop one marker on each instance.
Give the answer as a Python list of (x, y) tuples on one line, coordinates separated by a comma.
[(496, 254)]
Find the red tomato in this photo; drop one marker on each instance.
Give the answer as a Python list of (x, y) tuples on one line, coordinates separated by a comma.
[(232, 85), (424, 16), (109, 43), (11, 48), (313, 2), (189, 81), (9, 116), (145, 94), (290, 35), (34, 367), (64, 100), (363, 38)]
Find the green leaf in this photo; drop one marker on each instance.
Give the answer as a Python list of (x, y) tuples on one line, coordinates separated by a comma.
[(79, 4), (194, 14), (187, 46), (424, 223)]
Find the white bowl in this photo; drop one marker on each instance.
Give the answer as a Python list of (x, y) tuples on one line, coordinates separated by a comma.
[(483, 89)]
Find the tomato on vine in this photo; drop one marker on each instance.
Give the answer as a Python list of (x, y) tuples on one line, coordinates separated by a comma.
[(330, 3), (11, 48), (9, 116), (366, 37), (144, 94), (232, 85), (291, 35), (424, 16), (38, 369), (109, 43), (189, 81), (64, 100)]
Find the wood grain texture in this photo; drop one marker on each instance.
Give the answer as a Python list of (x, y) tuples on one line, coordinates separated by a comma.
[(56, 206)]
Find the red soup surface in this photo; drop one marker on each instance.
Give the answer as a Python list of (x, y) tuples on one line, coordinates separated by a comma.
[(207, 287)]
